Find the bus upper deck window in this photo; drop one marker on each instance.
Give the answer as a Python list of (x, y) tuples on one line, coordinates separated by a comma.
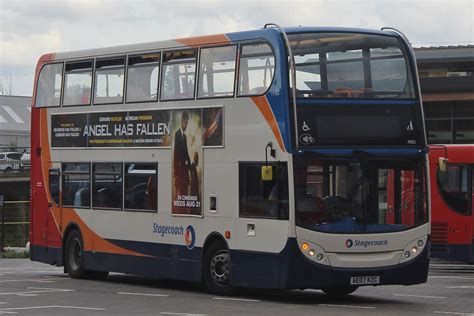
[(48, 91), (217, 72), (178, 78), (109, 75), (142, 78), (78, 83), (257, 67)]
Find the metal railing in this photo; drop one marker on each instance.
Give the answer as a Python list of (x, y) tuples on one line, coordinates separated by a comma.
[(14, 225)]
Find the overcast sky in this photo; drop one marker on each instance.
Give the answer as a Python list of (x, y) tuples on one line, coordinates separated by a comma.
[(31, 28)]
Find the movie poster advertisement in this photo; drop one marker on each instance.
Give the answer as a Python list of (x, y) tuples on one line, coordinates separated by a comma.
[(212, 134), (186, 126), (112, 129)]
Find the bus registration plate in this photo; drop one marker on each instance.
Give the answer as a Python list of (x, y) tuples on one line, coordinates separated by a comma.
[(360, 280)]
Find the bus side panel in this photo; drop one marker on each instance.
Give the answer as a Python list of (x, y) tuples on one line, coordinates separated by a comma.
[(167, 267), (285, 270)]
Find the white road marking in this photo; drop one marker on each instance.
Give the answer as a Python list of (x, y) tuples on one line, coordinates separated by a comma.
[(449, 277), (31, 280), (461, 287), (37, 290), (453, 313), (51, 306), (234, 299), (143, 294), (185, 314), (348, 306), (421, 296), (4, 313), (450, 265)]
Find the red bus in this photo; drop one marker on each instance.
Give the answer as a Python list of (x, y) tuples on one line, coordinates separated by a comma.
[(452, 182)]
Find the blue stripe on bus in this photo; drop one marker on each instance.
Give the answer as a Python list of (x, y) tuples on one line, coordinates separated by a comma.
[(373, 151), (306, 102), (289, 269)]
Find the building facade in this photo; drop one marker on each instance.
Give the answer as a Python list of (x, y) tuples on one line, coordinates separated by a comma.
[(447, 85)]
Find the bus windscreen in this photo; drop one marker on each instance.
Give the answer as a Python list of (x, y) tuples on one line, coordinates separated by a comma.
[(350, 65)]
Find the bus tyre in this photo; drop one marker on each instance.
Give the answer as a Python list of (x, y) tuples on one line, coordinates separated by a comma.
[(217, 269), (339, 291), (73, 255)]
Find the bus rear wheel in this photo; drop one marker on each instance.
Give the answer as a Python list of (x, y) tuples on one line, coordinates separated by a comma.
[(73, 255), (339, 291), (217, 269), (74, 260)]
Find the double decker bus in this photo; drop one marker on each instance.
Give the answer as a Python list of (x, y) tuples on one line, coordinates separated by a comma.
[(452, 182), (263, 159)]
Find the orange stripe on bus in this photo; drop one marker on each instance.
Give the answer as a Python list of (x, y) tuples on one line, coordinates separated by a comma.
[(265, 109), (92, 241), (201, 40)]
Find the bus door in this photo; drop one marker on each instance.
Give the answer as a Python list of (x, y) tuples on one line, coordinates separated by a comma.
[(54, 212)]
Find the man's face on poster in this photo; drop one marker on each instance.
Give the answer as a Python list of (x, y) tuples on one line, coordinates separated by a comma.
[(184, 124)]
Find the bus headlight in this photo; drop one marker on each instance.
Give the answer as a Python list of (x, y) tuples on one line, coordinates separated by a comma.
[(314, 252), (413, 249)]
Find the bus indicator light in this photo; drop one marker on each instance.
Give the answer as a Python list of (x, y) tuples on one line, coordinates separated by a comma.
[(227, 234), (304, 246)]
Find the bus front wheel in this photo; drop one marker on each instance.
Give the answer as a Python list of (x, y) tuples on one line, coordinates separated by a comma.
[(339, 291), (217, 269)]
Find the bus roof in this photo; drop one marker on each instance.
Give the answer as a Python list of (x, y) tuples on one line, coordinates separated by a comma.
[(205, 40)]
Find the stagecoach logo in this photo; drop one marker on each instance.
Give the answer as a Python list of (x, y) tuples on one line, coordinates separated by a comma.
[(365, 243), (190, 237), (189, 233)]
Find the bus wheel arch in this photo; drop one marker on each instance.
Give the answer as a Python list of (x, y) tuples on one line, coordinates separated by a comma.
[(216, 265), (73, 248), (73, 261), (67, 231)]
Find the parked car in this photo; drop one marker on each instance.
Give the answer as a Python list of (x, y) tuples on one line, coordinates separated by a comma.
[(25, 162), (10, 161)]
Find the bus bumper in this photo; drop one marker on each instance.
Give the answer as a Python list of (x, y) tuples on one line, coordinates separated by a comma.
[(290, 269)]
